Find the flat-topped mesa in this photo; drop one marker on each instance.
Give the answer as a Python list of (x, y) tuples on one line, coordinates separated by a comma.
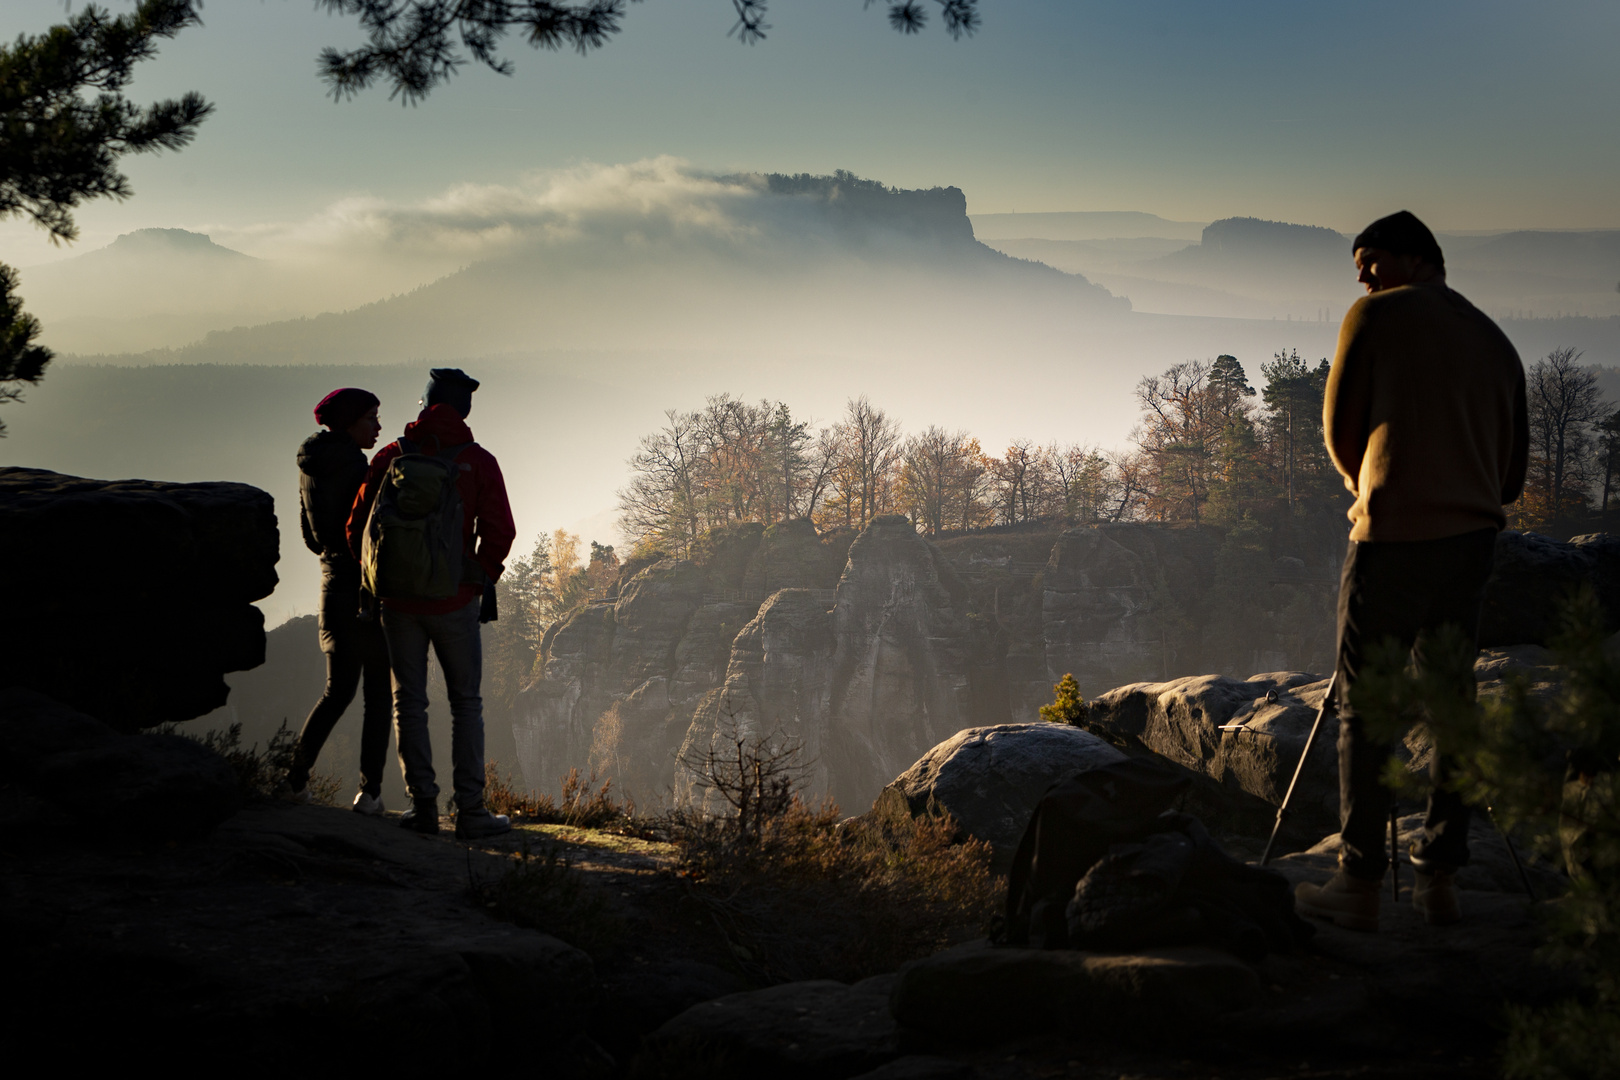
[(129, 600)]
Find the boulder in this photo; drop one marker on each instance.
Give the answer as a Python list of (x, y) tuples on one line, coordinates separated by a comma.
[(289, 935), (820, 1029), (1532, 574), (990, 778), (129, 600), (1266, 720), (1182, 721), (979, 994), (138, 789)]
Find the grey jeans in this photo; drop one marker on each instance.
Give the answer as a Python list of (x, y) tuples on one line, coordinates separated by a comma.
[(456, 642)]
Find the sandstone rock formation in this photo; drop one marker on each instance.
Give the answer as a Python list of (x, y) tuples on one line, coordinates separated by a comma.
[(290, 935), (1268, 718), (919, 640), (990, 778), (129, 600), (1097, 597), (59, 766), (1533, 574), (814, 1029)]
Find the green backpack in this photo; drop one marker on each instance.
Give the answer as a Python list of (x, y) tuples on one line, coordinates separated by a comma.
[(413, 545)]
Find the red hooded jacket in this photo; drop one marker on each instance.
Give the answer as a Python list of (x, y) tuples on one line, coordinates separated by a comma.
[(488, 529)]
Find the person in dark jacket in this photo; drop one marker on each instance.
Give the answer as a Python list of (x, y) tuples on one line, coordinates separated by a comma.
[(449, 625), (331, 467)]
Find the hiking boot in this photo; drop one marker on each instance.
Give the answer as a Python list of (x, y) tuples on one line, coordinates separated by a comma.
[(1345, 901), (480, 824), (369, 805), (287, 793), (1435, 897), (422, 818)]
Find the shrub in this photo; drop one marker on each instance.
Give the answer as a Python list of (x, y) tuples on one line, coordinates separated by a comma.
[(583, 805), (1546, 769), (800, 894), (1067, 707), (260, 772)]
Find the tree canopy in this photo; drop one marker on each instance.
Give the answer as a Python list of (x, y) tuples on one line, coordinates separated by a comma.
[(64, 124), (415, 45)]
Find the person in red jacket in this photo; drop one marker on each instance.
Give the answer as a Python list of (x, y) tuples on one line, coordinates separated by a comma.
[(449, 625)]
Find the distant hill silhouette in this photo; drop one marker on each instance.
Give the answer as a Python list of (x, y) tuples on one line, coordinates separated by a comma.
[(1083, 225), (818, 262), (143, 243)]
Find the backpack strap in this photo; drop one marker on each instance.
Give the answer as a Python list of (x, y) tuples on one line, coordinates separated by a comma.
[(450, 453)]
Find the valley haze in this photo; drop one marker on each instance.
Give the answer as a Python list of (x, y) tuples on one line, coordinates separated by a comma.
[(592, 300)]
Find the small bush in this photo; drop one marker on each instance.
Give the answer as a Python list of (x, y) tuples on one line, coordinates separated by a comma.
[(260, 772), (1067, 707), (800, 894), (583, 805)]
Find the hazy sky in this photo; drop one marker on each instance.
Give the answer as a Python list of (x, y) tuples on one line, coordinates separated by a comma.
[(1476, 114)]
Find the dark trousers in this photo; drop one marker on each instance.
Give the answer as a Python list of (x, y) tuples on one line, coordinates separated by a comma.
[(1401, 591), (355, 649), (456, 641)]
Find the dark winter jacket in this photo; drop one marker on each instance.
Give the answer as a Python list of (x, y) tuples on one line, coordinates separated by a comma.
[(331, 467), (486, 513)]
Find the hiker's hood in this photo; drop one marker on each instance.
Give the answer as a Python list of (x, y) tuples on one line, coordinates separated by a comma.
[(437, 427), (326, 452)]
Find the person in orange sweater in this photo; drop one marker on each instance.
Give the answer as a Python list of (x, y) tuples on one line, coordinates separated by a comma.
[(1425, 418)]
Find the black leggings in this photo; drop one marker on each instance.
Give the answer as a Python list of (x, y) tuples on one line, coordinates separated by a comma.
[(354, 649), (1400, 591)]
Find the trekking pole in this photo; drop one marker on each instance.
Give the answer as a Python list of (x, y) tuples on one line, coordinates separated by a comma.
[(1394, 855), (1310, 741), (1529, 889)]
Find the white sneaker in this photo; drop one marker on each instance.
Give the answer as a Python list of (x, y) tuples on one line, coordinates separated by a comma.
[(301, 796), (368, 805)]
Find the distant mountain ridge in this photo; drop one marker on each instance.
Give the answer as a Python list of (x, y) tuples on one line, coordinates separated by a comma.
[(144, 242), (821, 262)]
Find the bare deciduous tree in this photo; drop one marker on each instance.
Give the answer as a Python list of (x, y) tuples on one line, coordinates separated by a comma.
[(1565, 403)]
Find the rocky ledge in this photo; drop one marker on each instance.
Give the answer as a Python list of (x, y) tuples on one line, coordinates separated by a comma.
[(131, 599)]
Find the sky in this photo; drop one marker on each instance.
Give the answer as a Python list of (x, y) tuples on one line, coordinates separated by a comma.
[(1475, 114), (1479, 116)]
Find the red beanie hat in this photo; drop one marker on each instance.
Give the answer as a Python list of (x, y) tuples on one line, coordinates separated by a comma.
[(341, 408)]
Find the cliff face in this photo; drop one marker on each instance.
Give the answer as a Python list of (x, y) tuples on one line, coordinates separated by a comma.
[(867, 660), (864, 684), (1098, 609)]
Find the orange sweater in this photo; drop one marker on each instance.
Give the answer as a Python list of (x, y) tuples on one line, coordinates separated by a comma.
[(1425, 415)]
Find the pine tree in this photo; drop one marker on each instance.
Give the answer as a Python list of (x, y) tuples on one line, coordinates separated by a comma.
[(59, 145)]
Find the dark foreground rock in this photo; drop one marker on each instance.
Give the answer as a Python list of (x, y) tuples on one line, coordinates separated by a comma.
[(131, 599), (817, 1029), (60, 768), (990, 778), (294, 940), (978, 994)]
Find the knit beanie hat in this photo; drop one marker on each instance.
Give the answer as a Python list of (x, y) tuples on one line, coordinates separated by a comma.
[(1402, 234), (450, 386), (341, 408)]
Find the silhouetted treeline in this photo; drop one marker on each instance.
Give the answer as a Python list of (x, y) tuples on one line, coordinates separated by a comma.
[(1210, 448)]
